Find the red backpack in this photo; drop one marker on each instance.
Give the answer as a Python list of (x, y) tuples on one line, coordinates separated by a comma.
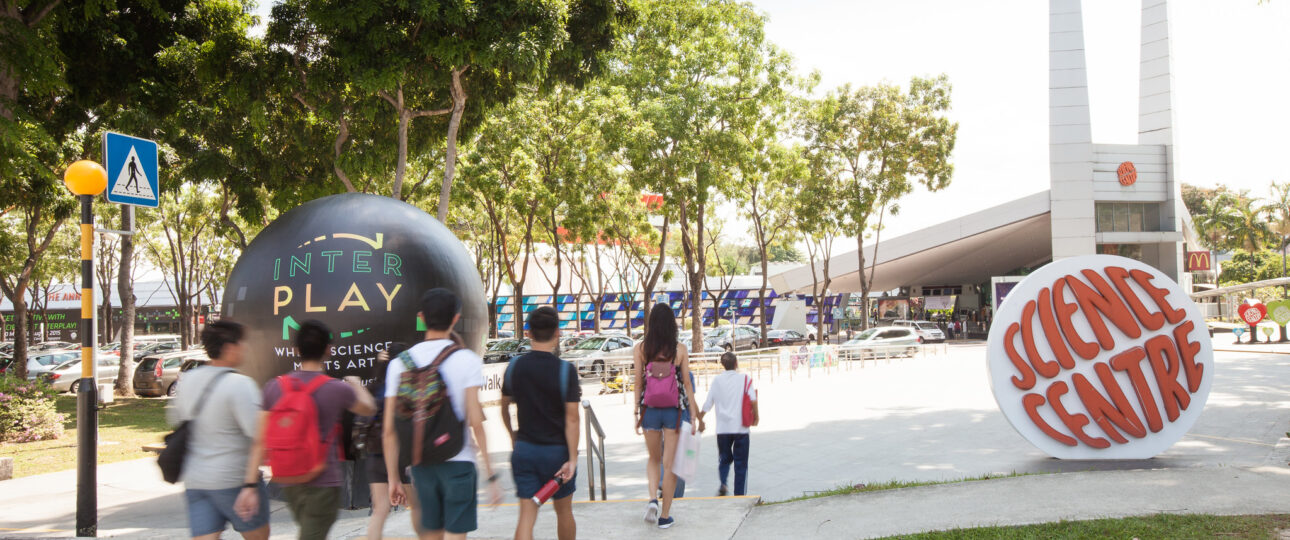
[(293, 445)]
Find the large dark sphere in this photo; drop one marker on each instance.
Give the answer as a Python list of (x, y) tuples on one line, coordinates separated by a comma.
[(358, 263)]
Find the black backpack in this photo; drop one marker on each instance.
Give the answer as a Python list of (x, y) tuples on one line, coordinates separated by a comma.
[(429, 430), (171, 459)]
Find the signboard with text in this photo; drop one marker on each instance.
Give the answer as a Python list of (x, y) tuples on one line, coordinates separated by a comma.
[(1100, 357)]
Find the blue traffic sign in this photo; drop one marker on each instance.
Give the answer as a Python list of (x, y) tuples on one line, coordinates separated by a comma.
[(132, 170)]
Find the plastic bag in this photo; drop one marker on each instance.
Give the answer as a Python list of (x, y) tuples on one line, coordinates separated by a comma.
[(686, 463)]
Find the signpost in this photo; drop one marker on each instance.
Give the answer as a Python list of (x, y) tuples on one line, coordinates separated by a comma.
[(1252, 314), (132, 170)]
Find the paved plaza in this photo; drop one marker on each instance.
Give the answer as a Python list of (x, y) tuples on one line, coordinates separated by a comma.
[(926, 418)]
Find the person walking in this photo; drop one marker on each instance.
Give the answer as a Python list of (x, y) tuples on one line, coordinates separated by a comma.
[(224, 407), (369, 432), (446, 492), (546, 394), (726, 393), (314, 496), (662, 370)]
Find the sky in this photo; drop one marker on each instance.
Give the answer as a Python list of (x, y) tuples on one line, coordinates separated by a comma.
[(1231, 67)]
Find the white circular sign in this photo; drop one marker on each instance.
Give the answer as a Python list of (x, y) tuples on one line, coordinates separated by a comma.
[(1100, 357)]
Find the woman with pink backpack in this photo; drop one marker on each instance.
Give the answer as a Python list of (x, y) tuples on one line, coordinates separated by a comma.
[(663, 369)]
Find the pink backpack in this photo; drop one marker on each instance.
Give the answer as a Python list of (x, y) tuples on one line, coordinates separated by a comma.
[(661, 390)]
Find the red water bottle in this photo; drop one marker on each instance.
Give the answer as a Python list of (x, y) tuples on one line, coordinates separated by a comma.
[(552, 486)]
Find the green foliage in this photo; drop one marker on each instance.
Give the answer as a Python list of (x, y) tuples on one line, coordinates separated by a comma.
[(1193, 526), (27, 411), (1246, 266)]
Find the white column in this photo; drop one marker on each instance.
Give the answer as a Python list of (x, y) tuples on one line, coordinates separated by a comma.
[(1070, 148), (1156, 119)]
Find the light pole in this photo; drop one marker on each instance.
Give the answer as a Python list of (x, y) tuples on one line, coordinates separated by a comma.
[(87, 179)]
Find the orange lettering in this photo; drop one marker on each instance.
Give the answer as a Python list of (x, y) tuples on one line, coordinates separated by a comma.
[(1105, 301), (1130, 362), (1156, 293), (1083, 348), (1074, 422), (1120, 276), (1027, 379), (1187, 350), (1107, 415), (1051, 333), (1046, 368), (1032, 402), (1164, 363)]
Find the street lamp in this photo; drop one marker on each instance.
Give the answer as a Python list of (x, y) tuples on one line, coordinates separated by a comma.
[(87, 179)]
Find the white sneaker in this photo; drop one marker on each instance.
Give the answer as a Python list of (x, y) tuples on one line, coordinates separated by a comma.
[(651, 512)]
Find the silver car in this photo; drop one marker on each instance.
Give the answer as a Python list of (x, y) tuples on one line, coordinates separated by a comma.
[(880, 342), (40, 363), (591, 355), (927, 330), (66, 377)]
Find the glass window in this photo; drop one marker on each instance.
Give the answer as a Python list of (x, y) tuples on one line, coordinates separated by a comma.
[(1135, 218), (1105, 218)]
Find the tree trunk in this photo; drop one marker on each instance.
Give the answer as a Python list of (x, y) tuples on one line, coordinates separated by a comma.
[(864, 283), (401, 166), (125, 290), (761, 296), (20, 337), (450, 160), (819, 302)]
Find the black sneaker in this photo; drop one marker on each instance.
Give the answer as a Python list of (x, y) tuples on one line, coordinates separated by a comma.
[(723, 491), (666, 522)]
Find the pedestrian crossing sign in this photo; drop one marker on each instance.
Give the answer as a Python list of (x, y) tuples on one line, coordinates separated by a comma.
[(132, 170)]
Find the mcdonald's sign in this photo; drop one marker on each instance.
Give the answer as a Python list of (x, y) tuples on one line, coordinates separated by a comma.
[(1199, 261)]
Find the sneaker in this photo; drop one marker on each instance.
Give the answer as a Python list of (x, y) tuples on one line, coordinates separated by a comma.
[(651, 511), (666, 522), (723, 491)]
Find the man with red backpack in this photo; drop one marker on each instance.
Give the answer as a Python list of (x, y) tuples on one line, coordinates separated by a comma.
[(435, 424), (300, 434), (736, 401)]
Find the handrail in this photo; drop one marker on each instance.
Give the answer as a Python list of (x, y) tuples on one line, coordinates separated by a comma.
[(595, 449)]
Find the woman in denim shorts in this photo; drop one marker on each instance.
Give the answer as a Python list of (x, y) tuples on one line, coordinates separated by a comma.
[(657, 348)]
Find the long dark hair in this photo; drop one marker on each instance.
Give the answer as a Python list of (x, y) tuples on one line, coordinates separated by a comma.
[(659, 342)]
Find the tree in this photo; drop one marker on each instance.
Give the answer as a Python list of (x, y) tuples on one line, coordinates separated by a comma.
[(767, 193), (28, 229), (1250, 230), (1216, 221), (1278, 212), (696, 71), (875, 144)]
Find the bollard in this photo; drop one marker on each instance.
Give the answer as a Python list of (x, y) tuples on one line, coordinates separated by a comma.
[(6, 468)]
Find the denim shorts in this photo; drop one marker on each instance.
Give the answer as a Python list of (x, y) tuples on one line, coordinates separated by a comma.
[(210, 510), (656, 419), (447, 495), (533, 465)]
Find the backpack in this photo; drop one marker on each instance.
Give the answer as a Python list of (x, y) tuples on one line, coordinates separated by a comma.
[(171, 459), (293, 445), (747, 420), (429, 430), (662, 391)]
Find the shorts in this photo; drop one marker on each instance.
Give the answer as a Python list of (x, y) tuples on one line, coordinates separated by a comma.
[(376, 474), (447, 495), (655, 419), (315, 509), (533, 465), (211, 510)]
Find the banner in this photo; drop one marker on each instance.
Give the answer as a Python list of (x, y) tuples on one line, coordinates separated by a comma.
[(1199, 261)]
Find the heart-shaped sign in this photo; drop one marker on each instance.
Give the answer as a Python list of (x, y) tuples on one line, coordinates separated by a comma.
[(1239, 331), (1252, 313), (1279, 311), (1267, 331)]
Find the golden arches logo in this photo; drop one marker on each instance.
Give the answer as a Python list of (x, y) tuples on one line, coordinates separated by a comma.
[(1198, 261)]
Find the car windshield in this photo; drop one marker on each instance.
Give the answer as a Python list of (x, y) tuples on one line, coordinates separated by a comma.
[(718, 332), (148, 364), (592, 344), (50, 360), (864, 335), (927, 326), (67, 365)]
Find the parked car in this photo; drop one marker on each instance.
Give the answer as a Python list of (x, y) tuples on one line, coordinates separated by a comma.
[(781, 338), (569, 342), (685, 338), (591, 355), (927, 331), (733, 338), (5, 362), (885, 341), (66, 377), (154, 348), (158, 373), (503, 351), (51, 346), (43, 362)]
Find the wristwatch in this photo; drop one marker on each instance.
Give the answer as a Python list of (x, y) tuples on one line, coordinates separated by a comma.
[(494, 477), (252, 485)]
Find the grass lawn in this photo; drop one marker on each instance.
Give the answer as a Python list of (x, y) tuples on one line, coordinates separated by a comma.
[(124, 427), (893, 484), (1149, 527)]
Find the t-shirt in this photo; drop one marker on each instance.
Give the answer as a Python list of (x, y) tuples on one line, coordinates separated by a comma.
[(333, 399), (460, 372), (221, 438), (534, 382), (727, 393)]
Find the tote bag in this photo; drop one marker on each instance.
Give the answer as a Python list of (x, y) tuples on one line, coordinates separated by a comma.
[(686, 462)]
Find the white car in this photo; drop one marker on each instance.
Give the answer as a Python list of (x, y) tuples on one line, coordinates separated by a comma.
[(881, 342), (592, 354), (66, 377), (928, 332), (40, 363)]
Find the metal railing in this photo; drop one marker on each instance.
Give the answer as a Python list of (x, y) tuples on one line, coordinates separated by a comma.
[(595, 450)]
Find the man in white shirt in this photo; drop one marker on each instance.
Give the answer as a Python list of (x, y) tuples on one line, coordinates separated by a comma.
[(726, 393), (224, 407), (446, 491)]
